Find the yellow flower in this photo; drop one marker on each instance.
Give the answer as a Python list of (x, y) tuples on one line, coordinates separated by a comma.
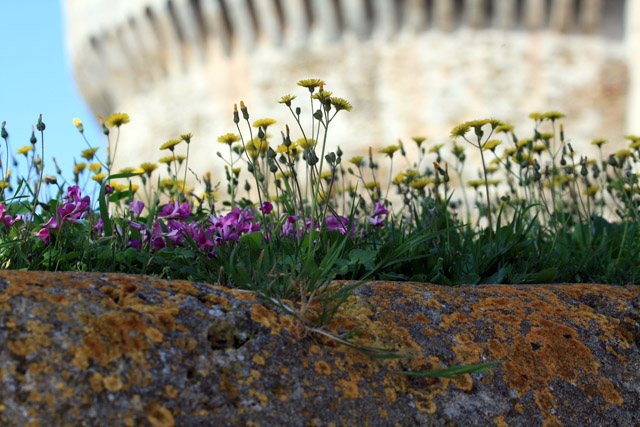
[(4, 184), (372, 184), (419, 140), (24, 150), (78, 124), (78, 168), (389, 150), (306, 143), (340, 104), (95, 167), (291, 149), (475, 183), (287, 100), (126, 170), (166, 160), (479, 123), (552, 115), (170, 145), (148, 167), (634, 138), (508, 151), (536, 116), (399, 179), (257, 144), (539, 148), (99, 177), (494, 182), (505, 128), (311, 84), (436, 148), (623, 154), (457, 150), (236, 171), (326, 174), (186, 137), (598, 142), (264, 123), (229, 138), (591, 191), (419, 184), (492, 169), (411, 174), (285, 175), (89, 153), (546, 135), (357, 160), (322, 95), (523, 142), (634, 145), (117, 119), (491, 145), (460, 130)]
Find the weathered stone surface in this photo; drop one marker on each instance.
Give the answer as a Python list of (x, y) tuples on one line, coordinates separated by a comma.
[(113, 349)]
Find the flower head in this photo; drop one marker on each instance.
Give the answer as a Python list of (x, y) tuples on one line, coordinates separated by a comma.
[(460, 130), (341, 104), (389, 150), (89, 153), (24, 150), (229, 138), (599, 142), (171, 144), (491, 145), (287, 100), (357, 160), (311, 84), (264, 123), (77, 123), (117, 120), (148, 167)]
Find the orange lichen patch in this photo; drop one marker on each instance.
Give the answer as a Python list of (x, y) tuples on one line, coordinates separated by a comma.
[(349, 389), (35, 397), (140, 378), (466, 351), (608, 392), (112, 383), (263, 399), (25, 347), (154, 335), (159, 416), (464, 382), (322, 367), (500, 422), (212, 299), (426, 406), (266, 317), (258, 360), (96, 382), (171, 391)]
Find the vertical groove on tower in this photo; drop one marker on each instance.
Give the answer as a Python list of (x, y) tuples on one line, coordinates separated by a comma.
[(561, 17)]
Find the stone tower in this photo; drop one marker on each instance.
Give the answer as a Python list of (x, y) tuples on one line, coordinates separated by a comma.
[(409, 67)]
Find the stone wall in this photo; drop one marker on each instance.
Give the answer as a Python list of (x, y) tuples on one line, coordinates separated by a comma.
[(408, 67)]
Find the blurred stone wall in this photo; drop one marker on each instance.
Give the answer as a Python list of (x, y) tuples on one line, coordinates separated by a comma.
[(409, 67)]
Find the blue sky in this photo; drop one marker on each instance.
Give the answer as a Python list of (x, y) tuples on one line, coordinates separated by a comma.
[(35, 78)]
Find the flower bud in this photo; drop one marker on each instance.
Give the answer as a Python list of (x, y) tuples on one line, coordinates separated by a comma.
[(317, 115), (33, 139), (4, 132), (41, 127), (236, 116), (298, 111), (78, 124), (245, 112)]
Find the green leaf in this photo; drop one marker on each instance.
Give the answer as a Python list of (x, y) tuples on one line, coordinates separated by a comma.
[(451, 373)]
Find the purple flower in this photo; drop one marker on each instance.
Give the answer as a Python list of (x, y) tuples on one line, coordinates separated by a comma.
[(8, 220), (52, 223), (266, 208), (175, 211), (136, 208), (341, 224), (74, 208), (43, 235), (380, 210), (135, 244), (377, 222)]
